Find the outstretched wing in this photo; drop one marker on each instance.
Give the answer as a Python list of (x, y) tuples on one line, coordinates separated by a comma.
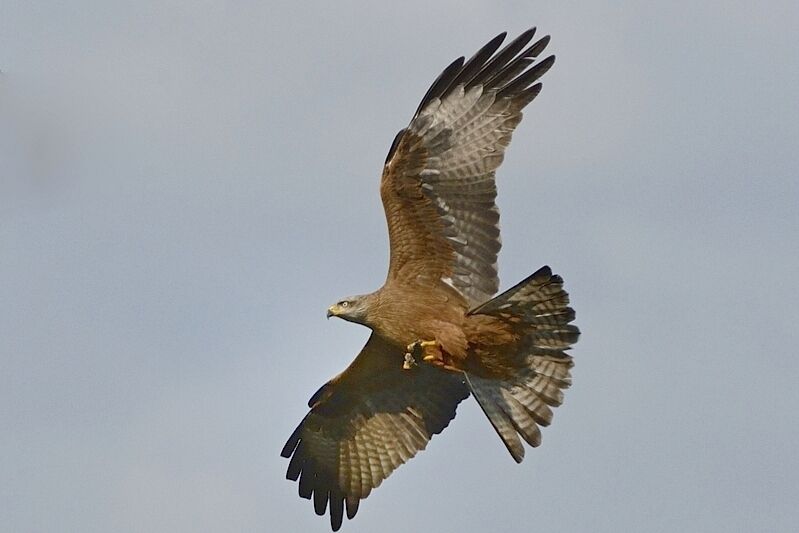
[(366, 422), (438, 185)]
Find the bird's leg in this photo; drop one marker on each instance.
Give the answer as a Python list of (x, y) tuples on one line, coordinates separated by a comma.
[(431, 352), (409, 362)]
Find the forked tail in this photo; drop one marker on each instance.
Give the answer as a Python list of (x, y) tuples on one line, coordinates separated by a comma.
[(520, 401)]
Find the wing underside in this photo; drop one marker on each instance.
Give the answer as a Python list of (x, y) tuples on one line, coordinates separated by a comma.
[(438, 185), (368, 421)]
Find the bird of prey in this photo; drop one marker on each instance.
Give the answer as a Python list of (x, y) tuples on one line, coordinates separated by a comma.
[(438, 332)]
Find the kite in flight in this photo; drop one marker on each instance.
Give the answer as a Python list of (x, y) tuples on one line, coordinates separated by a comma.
[(438, 332)]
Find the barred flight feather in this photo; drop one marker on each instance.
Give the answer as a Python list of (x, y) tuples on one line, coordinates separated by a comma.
[(456, 141)]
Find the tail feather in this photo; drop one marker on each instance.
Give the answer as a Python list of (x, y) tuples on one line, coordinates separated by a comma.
[(518, 403), (511, 412)]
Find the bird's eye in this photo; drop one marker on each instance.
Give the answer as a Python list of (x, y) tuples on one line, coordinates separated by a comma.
[(344, 304)]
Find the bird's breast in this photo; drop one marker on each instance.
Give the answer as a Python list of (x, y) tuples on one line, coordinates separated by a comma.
[(406, 316)]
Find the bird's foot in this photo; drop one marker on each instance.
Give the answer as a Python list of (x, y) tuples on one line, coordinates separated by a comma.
[(431, 352)]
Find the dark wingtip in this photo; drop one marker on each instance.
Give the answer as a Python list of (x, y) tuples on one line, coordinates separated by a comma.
[(394, 144), (336, 509), (352, 506), (441, 83), (291, 443), (319, 501), (305, 490), (526, 35), (295, 466), (539, 46), (321, 393), (496, 41), (544, 272), (525, 80)]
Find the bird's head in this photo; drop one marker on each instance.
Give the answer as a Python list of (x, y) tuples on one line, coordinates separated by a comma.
[(352, 309)]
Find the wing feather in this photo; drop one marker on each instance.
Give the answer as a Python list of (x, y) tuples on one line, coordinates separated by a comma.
[(365, 423), (438, 185)]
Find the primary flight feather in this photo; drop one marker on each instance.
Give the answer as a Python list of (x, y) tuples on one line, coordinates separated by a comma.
[(437, 334)]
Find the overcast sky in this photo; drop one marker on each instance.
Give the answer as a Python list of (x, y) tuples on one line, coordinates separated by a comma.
[(185, 187)]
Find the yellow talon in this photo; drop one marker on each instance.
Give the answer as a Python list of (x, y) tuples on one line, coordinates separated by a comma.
[(429, 350), (419, 346)]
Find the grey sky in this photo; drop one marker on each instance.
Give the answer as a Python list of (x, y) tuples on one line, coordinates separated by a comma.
[(186, 186)]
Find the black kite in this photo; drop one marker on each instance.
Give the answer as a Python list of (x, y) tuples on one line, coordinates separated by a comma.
[(437, 334)]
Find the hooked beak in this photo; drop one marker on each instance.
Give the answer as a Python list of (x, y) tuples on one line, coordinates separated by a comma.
[(331, 311)]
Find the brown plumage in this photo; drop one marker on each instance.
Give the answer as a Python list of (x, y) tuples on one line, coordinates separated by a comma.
[(438, 190)]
